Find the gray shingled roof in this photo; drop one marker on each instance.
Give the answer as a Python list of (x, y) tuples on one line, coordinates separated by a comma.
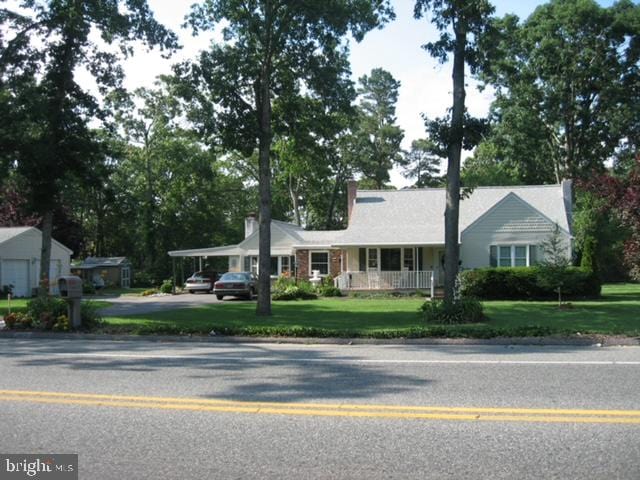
[(7, 233), (416, 216)]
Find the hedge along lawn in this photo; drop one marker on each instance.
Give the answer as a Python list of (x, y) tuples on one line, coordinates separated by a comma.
[(618, 312)]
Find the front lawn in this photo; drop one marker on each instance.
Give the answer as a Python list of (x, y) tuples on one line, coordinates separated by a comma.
[(17, 305), (618, 312)]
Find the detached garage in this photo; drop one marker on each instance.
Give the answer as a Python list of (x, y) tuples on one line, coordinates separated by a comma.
[(20, 260)]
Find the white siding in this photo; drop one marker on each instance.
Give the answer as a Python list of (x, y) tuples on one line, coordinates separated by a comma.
[(27, 247), (281, 243), (511, 222)]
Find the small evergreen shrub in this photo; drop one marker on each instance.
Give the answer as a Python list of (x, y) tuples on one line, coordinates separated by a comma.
[(167, 286), (463, 310), (143, 279)]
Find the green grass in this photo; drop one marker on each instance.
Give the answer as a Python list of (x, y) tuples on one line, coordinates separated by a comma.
[(618, 312), (17, 305)]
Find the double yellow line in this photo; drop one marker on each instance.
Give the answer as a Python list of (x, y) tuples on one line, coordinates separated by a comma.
[(486, 414)]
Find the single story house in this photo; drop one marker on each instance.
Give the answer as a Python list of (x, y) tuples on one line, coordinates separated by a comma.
[(104, 271), (395, 238), (20, 249)]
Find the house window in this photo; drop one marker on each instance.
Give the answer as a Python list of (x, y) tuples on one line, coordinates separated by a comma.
[(372, 262), (408, 259), (285, 265), (320, 261), (390, 259), (512, 255), (362, 259), (274, 267), (251, 264), (505, 257)]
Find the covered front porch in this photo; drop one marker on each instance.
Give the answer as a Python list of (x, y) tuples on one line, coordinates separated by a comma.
[(406, 267)]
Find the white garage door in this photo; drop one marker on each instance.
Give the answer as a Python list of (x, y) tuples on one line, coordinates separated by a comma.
[(16, 273)]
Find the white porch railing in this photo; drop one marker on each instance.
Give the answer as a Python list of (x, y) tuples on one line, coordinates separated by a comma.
[(374, 280)]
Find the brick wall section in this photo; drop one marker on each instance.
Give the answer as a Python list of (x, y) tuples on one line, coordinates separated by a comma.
[(302, 265), (334, 262), (303, 271)]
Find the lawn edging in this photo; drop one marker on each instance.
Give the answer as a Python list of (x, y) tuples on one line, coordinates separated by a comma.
[(575, 340)]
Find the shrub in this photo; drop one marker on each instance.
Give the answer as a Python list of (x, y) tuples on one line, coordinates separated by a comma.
[(143, 279), (6, 290), (89, 315), (286, 288), (463, 310), (327, 288), (18, 321), (88, 288), (524, 283), (294, 292), (46, 307), (10, 320), (167, 286), (151, 291)]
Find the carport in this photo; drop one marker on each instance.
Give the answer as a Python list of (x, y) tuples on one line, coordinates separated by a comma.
[(199, 255)]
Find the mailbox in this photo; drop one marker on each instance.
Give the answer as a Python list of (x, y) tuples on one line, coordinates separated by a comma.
[(70, 287)]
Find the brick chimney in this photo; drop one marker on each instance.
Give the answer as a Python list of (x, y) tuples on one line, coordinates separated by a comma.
[(250, 224), (352, 191)]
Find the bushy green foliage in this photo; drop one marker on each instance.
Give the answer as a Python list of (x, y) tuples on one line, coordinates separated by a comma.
[(167, 286), (90, 316), (523, 283), (328, 289), (143, 279), (88, 288), (50, 313), (46, 307), (462, 310), (287, 288)]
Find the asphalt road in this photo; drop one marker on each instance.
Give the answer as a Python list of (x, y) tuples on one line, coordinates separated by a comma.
[(146, 410)]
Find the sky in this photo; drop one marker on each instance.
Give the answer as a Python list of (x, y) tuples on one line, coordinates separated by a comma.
[(425, 84)]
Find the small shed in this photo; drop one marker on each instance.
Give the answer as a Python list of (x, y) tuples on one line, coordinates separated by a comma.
[(20, 249), (105, 271)]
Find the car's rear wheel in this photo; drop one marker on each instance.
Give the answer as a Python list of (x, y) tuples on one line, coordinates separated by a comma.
[(219, 297)]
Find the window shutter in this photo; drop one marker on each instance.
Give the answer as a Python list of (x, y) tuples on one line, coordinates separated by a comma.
[(493, 256), (533, 255), (362, 259)]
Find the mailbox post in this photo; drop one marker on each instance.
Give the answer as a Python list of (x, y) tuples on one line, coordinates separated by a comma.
[(70, 288)]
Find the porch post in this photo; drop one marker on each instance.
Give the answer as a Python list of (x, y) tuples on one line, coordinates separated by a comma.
[(200, 263), (433, 289)]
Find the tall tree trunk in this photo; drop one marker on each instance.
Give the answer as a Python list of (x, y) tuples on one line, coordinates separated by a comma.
[(263, 307), (452, 210), (45, 253)]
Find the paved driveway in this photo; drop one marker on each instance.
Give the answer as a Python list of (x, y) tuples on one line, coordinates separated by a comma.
[(131, 305)]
